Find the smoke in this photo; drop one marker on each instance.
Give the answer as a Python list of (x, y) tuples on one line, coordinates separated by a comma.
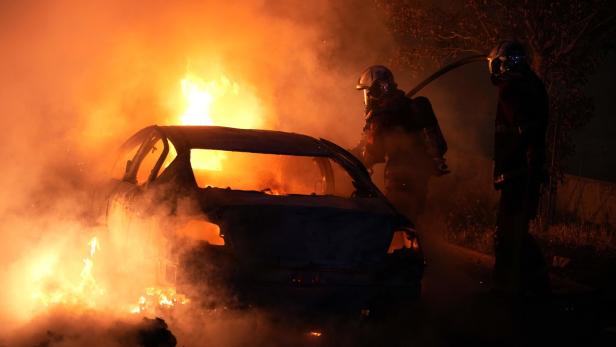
[(90, 71), (77, 78)]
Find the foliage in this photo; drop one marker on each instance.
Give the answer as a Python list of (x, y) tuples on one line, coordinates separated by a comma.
[(471, 221), (570, 231)]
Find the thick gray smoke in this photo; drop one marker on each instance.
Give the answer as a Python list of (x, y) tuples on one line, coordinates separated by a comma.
[(78, 77)]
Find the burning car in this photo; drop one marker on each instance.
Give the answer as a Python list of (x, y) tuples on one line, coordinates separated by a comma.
[(271, 216)]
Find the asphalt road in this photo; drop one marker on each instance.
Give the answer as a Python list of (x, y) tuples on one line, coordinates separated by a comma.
[(458, 309)]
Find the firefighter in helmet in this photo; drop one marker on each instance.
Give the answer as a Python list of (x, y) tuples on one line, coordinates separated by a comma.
[(405, 135), (519, 159)]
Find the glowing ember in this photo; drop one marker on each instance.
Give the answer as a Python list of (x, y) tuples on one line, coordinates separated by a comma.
[(315, 333), (157, 299)]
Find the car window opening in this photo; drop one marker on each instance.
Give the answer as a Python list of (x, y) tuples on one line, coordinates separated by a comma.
[(271, 174)]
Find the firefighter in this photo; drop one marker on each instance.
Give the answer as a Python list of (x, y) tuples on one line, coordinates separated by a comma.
[(519, 159), (405, 135)]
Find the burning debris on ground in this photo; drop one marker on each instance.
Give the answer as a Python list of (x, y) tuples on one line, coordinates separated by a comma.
[(61, 327)]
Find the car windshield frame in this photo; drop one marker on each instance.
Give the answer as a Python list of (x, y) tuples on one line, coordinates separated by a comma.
[(185, 138)]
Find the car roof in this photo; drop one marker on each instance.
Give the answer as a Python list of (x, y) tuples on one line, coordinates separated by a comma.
[(244, 140)]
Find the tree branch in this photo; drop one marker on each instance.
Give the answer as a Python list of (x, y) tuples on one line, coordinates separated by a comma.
[(577, 37), (454, 35), (478, 16)]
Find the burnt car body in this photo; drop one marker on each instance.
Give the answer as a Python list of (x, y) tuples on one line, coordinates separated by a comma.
[(314, 248)]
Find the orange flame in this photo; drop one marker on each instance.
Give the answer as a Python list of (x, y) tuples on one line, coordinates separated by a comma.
[(84, 293), (156, 299), (217, 102)]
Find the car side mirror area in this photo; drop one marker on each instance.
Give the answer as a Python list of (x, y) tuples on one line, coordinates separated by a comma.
[(359, 192)]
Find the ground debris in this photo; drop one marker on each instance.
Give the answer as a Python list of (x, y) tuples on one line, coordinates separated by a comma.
[(155, 333)]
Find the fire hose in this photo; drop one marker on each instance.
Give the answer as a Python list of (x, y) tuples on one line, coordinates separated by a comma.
[(442, 167), (444, 70)]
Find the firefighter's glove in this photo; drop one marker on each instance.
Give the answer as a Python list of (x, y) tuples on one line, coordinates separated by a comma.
[(440, 166)]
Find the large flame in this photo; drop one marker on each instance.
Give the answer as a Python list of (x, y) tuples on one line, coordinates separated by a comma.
[(220, 102), (84, 292), (217, 102)]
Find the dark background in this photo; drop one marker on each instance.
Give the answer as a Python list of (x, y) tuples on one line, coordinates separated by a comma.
[(594, 156)]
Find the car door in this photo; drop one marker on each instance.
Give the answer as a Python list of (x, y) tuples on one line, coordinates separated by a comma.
[(133, 213)]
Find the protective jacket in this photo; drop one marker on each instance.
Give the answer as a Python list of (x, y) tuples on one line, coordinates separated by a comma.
[(403, 133), (520, 127), (519, 158)]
